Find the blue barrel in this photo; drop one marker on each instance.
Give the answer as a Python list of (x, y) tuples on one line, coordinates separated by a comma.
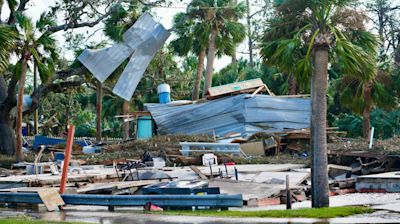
[(144, 127), (164, 93)]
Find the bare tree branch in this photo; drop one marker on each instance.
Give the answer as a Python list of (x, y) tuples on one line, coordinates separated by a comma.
[(73, 25), (70, 72), (39, 94), (21, 8)]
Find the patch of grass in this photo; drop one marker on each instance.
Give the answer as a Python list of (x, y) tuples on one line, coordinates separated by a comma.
[(322, 213), (30, 221)]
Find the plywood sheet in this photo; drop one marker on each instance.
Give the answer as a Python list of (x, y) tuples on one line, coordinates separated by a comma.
[(51, 199)]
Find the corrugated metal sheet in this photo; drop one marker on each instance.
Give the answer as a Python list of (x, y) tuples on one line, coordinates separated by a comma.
[(142, 41), (239, 114), (140, 59)]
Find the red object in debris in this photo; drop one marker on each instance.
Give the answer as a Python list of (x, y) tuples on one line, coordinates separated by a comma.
[(150, 207), (67, 157), (230, 163), (367, 190)]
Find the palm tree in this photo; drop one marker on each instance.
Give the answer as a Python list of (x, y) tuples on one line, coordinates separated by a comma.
[(326, 37), (192, 36), (221, 17), (8, 38), (37, 47), (362, 95)]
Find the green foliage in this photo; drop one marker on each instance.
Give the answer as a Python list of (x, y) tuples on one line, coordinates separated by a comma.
[(192, 35), (120, 21), (85, 124), (236, 72), (307, 23), (38, 43), (383, 92), (352, 124), (387, 124)]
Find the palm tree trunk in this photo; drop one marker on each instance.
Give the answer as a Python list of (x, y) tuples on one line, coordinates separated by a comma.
[(210, 60), (125, 126), (99, 108), (367, 110), (292, 85), (199, 74), (319, 171), (21, 86)]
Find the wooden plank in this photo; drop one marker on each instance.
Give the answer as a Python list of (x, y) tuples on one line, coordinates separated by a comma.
[(198, 172), (138, 183), (51, 199), (340, 167), (255, 92), (100, 175), (235, 87)]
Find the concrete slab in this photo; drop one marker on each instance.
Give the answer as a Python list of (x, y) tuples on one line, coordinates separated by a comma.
[(254, 168), (249, 190), (361, 199), (245, 172), (270, 177), (384, 182)]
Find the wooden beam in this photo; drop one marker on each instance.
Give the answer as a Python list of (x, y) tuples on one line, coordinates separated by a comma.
[(198, 172)]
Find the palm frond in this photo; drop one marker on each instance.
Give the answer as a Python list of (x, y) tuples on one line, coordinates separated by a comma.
[(25, 23), (8, 37), (45, 21), (355, 60)]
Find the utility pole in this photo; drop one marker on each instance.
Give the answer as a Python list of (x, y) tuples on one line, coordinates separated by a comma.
[(234, 56), (36, 114), (249, 34)]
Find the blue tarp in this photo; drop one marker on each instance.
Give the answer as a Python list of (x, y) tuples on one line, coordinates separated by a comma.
[(43, 140)]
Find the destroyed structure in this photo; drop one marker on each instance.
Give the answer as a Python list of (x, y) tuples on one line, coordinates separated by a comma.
[(203, 169)]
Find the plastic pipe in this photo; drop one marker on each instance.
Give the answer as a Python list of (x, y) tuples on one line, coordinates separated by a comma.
[(67, 157)]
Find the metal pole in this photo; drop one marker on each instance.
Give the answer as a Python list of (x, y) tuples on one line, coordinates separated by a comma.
[(371, 137), (211, 172), (67, 157), (236, 174)]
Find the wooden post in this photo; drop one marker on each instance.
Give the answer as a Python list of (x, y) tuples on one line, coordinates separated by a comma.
[(99, 108), (288, 194), (67, 157), (125, 125)]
